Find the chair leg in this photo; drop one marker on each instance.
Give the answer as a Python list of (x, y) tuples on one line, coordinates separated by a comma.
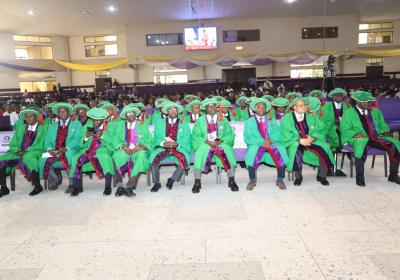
[(148, 178), (351, 165), (373, 162), (342, 162), (12, 180), (289, 175), (218, 175), (385, 164), (183, 179), (46, 183)]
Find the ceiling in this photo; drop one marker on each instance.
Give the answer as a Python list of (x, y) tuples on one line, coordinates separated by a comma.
[(69, 17)]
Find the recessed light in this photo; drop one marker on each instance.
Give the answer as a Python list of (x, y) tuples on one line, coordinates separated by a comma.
[(31, 13), (85, 13), (290, 1), (111, 8)]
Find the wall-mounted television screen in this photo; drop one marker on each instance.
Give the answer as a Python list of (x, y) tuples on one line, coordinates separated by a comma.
[(200, 38)]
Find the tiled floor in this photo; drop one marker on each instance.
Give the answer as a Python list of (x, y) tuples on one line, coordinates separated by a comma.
[(307, 232)]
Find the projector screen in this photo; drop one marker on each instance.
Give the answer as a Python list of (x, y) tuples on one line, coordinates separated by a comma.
[(200, 38)]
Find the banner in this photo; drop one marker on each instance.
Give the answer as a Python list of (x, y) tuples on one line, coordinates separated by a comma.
[(5, 139)]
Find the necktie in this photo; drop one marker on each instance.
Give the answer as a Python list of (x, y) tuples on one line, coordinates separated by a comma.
[(262, 127)]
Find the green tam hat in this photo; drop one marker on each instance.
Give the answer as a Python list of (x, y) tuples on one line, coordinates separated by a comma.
[(295, 94), (138, 105), (26, 111), (280, 102), (362, 96), (80, 106), (97, 114), (270, 98), (255, 101), (108, 105), (160, 102), (169, 105), (240, 100), (188, 96), (65, 105), (206, 102), (338, 90), (190, 105), (128, 109), (313, 103), (297, 99), (225, 103), (316, 93)]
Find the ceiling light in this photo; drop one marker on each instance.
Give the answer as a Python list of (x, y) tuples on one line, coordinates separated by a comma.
[(290, 1), (111, 8), (85, 13), (31, 13)]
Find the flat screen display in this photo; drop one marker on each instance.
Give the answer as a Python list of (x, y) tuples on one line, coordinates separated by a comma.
[(200, 38)]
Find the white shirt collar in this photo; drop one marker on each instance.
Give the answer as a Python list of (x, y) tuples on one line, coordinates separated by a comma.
[(299, 117), (260, 118), (172, 121), (362, 111), (32, 127), (214, 118), (130, 125), (338, 105), (66, 122)]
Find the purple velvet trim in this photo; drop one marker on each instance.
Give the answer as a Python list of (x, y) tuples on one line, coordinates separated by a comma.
[(211, 153)]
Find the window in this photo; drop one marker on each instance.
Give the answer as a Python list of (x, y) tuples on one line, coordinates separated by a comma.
[(169, 75), (97, 39), (164, 39), (312, 70), (318, 32), (37, 86), (241, 35), (384, 37), (379, 25), (33, 52), (101, 50), (33, 39), (375, 60)]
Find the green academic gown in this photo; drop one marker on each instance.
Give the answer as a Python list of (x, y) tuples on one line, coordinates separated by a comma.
[(140, 160), (328, 119), (72, 143), (290, 139), (201, 149), (254, 140), (243, 115), (352, 125), (189, 120), (183, 140), (33, 152), (103, 152)]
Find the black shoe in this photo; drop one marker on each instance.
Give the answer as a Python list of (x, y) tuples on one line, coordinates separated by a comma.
[(360, 181), (330, 173), (394, 179), (340, 173), (107, 191), (196, 188), (156, 187), (4, 191), (36, 191), (120, 191), (76, 190), (54, 187), (170, 183), (129, 192), (323, 181), (69, 189), (298, 181), (232, 184)]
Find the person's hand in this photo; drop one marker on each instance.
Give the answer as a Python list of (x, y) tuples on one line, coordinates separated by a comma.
[(385, 134), (53, 153), (360, 135), (126, 149), (20, 153), (62, 151), (89, 133), (304, 142), (310, 139), (136, 149), (267, 143), (211, 143)]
